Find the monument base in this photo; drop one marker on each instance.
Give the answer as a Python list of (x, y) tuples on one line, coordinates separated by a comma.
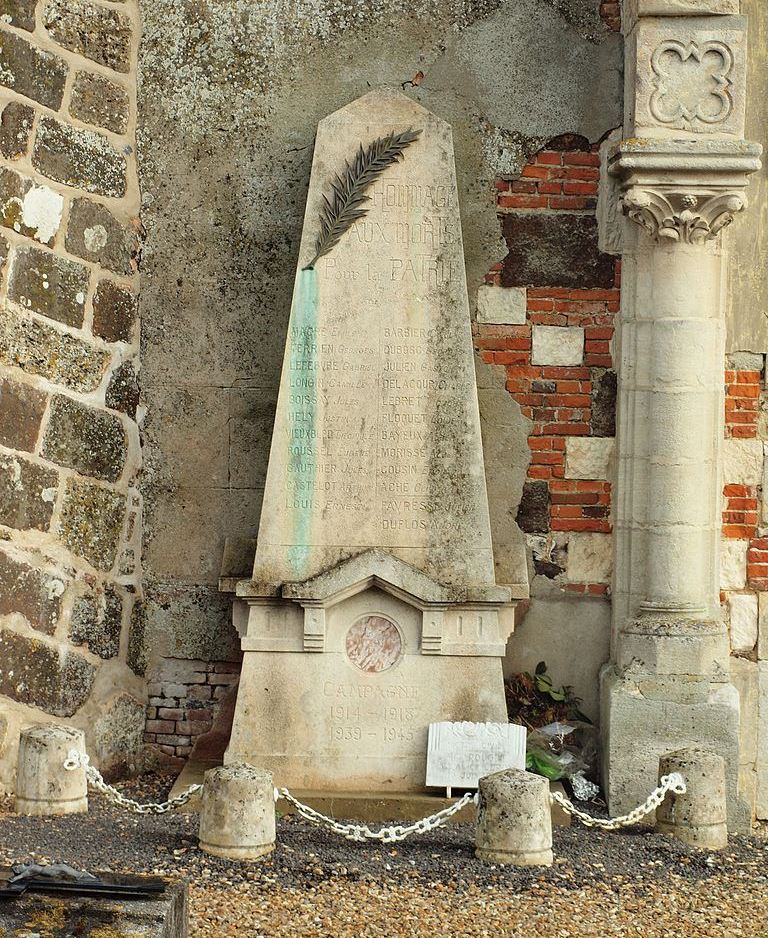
[(343, 674), (645, 716), (317, 722)]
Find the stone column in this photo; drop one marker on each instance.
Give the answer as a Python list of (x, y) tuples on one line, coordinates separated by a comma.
[(679, 177)]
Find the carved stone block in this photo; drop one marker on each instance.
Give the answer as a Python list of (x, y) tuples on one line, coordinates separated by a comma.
[(632, 10), (686, 74)]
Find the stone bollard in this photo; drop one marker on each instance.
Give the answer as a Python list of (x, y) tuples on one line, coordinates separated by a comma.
[(237, 814), (514, 819), (699, 816), (43, 785)]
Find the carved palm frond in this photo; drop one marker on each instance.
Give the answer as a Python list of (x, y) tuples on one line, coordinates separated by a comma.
[(347, 203)]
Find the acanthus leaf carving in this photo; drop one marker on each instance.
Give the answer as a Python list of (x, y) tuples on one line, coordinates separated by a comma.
[(681, 216)]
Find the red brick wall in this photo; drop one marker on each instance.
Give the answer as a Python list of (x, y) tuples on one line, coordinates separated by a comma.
[(183, 698), (558, 399)]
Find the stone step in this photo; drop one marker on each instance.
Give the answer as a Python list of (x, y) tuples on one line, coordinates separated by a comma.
[(378, 807)]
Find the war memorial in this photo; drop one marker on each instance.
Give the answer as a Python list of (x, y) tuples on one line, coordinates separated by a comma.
[(382, 459)]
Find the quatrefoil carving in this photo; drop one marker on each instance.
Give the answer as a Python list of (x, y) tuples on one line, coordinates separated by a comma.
[(692, 82)]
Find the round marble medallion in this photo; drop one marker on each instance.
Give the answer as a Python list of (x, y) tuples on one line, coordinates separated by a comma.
[(373, 643)]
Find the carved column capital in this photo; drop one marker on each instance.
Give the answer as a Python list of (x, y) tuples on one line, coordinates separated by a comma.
[(674, 215), (679, 191)]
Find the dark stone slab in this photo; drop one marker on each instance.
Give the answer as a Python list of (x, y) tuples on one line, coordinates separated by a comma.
[(114, 312), (15, 129), (557, 250), (96, 32), (42, 676), (91, 441), (97, 100), (30, 592), (27, 493), (123, 390), (83, 158), (603, 420), (50, 285), (13, 189), (533, 513), (21, 410), (94, 234), (19, 13), (31, 71), (36, 915), (96, 621), (91, 522)]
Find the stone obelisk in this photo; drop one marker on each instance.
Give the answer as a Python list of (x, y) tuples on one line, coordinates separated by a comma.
[(373, 609)]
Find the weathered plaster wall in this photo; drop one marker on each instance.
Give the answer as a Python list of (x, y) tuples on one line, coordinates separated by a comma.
[(229, 97)]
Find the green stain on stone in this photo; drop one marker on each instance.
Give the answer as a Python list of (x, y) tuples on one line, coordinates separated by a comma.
[(303, 446)]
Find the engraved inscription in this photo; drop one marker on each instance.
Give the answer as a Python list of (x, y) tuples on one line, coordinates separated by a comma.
[(372, 714), (373, 644)]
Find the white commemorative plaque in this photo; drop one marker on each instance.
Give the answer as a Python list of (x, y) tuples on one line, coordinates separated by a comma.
[(460, 754)]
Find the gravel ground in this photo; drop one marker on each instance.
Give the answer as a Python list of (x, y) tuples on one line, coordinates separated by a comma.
[(633, 883)]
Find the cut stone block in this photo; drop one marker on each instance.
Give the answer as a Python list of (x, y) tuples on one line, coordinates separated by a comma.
[(96, 621), (44, 675), (30, 592), (49, 285), (742, 462), (15, 129), (98, 33), (89, 440), (588, 457), (682, 65), (733, 564), (34, 211), (82, 158), (502, 305), (556, 249), (91, 522), (557, 345), (97, 100), (632, 10), (19, 13), (114, 312), (590, 557), (31, 71), (40, 349), (21, 410), (27, 493), (94, 234), (743, 608)]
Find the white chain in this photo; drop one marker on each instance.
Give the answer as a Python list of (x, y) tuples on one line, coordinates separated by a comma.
[(76, 759), (387, 835), (672, 782)]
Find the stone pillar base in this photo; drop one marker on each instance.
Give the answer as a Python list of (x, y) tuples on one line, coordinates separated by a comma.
[(646, 715)]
